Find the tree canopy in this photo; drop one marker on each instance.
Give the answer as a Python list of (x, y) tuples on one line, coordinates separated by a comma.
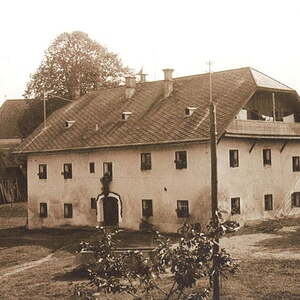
[(73, 65)]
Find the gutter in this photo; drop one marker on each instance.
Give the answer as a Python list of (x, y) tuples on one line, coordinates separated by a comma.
[(116, 146)]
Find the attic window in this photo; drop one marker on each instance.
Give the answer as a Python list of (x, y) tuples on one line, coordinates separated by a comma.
[(126, 115), (189, 111), (68, 124)]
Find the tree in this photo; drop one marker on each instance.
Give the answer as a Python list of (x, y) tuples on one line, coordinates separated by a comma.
[(73, 65), (170, 272)]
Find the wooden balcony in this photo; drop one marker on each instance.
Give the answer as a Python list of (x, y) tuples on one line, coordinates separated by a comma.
[(263, 129)]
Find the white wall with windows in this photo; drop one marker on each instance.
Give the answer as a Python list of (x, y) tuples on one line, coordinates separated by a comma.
[(170, 185)]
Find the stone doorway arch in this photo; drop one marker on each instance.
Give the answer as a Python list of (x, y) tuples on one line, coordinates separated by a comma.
[(109, 209)]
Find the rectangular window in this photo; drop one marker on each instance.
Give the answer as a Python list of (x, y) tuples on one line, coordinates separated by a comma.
[(147, 210), (68, 210), (182, 208), (269, 202), (107, 169), (67, 171), (296, 199), (181, 159), (93, 203), (145, 161), (267, 157), (43, 210), (234, 158), (42, 171), (235, 206), (92, 167), (296, 163)]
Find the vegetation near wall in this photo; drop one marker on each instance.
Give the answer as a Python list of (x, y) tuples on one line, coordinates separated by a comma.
[(185, 263)]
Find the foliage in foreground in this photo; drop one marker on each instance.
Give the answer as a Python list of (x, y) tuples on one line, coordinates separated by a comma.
[(186, 263)]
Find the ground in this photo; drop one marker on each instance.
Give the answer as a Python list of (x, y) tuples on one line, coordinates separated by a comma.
[(39, 264)]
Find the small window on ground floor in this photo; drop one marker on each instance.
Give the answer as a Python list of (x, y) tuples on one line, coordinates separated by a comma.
[(68, 210), (93, 203), (296, 199), (43, 210), (147, 209), (235, 206), (269, 202), (182, 208)]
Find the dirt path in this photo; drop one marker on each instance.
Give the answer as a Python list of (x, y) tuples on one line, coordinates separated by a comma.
[(19, 268), (263, 245)]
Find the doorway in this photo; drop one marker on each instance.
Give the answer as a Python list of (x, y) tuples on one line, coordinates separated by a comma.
[(110, 211)]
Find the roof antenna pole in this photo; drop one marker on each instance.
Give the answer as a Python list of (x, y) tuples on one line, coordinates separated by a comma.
[(214, 186), (44, 104)]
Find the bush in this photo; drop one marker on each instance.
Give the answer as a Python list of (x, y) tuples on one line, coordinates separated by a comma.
[(186, 263)]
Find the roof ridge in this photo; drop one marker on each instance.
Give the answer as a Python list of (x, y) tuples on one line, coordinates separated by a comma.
[(196, 75)]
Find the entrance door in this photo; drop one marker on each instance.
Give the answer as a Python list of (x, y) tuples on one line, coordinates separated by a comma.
[(111, 211)]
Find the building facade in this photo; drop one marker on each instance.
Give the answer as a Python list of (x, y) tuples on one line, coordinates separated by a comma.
[(150, 142)]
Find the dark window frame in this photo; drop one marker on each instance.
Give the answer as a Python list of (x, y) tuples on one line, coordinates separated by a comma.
[(182, 209), (268, 202), (146, 161), (68, 174), (92, 167), (295, 199), (68, 212), (42, 173), (267, 157), (43, 210), (181, 159), (108, 170), (296, 163), (147, 208), (234, 159), (235, 203)]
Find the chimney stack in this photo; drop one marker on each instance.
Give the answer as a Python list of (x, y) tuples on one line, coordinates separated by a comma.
[(143, 77), (168, 84), (130, 86)]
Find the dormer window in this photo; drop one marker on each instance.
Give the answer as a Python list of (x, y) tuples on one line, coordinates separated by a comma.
[(189, 111), (68, 124), (126, 115)]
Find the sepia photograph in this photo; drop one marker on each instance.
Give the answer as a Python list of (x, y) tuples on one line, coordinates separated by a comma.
[(150, 150)]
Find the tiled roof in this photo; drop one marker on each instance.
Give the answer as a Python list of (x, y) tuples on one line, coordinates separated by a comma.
[(10, 113), (154, 119)]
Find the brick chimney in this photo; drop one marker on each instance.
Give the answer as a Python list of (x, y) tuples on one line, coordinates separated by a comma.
[(130, 84), (168, 82)]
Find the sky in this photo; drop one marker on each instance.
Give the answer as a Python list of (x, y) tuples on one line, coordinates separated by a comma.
[(155, 34)]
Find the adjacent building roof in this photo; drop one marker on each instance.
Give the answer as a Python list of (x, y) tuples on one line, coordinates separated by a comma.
[(154, 119), (10, 113)]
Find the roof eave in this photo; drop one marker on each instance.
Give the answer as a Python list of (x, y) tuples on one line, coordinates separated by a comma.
[(117, 146)]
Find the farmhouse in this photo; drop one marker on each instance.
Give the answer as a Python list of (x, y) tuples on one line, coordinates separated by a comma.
[(148, 142), (12, 177)]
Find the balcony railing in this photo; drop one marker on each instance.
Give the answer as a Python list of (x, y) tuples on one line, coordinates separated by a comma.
[(263, 128)]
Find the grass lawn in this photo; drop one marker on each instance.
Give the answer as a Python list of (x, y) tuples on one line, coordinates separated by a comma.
[(267, 252)]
